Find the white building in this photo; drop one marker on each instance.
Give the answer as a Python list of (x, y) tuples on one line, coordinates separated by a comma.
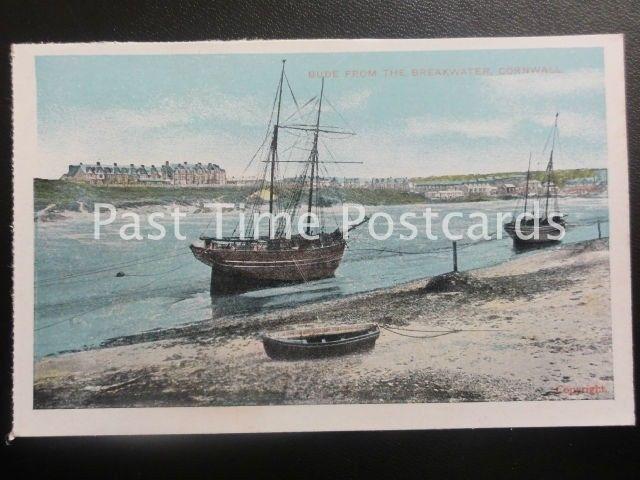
[(450, 194), (390, 183), (481, 189)]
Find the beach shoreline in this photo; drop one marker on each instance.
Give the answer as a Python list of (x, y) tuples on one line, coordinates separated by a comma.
[(536, 327)]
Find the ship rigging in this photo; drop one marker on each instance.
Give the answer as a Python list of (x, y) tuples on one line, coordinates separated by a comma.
[(247, 260)]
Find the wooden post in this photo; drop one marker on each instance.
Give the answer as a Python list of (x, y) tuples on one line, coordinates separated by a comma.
[(599, 231), (455, 256)]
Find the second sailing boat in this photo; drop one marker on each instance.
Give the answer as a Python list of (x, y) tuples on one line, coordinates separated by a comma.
[(241, 263), (547, 227)]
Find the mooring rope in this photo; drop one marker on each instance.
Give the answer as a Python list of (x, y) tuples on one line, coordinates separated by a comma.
[(123, 274), (115, 298), (440, 333), (106, 268)]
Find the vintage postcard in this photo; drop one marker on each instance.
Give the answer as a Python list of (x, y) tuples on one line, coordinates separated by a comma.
[(263, 236)]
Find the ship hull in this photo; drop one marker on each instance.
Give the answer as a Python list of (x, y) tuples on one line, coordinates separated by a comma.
[(533, 235), (237, 270)]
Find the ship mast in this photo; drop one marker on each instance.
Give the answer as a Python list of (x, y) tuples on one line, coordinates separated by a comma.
[(274, 150), (314, 160), (550, 166), (526, 188)]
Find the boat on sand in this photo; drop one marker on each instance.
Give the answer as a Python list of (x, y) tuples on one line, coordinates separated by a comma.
[(318, 342)]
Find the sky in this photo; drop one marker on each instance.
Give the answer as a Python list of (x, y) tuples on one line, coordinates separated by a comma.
[(215, 108)]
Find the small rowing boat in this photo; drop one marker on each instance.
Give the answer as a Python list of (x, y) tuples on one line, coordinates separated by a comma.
[(317, 342)]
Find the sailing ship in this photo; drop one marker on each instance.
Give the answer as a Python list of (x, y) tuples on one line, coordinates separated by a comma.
[(249, 261), (544, 227)]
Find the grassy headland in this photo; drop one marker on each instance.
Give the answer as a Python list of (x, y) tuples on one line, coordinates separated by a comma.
[(368, 196), (66, 195)]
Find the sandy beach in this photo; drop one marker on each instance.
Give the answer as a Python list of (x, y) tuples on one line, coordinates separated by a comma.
[(534, 328)]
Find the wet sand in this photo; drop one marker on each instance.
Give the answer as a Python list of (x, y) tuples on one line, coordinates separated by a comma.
[(535, 328)]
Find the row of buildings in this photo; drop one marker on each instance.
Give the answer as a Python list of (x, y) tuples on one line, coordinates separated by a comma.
[(479, 187), (174, 174), (389, 183), (211, 174), (508, 186), (439, 189)]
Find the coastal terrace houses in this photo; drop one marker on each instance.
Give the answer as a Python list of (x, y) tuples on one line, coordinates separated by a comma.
[(402, 184), (175, 174), (486, 187)]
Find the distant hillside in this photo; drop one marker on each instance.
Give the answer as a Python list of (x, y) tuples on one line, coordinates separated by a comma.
[(561, 176), (66, 195), (368, 196)]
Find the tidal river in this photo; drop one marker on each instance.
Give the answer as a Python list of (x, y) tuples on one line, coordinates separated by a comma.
[(90, 290)]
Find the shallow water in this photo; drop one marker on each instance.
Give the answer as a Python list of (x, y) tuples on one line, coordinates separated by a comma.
[(81, 302)]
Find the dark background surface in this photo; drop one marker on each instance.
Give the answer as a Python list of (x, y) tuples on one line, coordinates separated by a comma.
[(583, 452)]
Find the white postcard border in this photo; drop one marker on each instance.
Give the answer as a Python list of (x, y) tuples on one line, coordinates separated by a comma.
[(30, 422)]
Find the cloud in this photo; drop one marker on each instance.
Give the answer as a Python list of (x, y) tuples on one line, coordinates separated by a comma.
[(389, 155), (110, 144), (354, 101), (493, 128), (586, 126), (208, 126), (193, 128), (167, 112), (245, 110), (545, 85)]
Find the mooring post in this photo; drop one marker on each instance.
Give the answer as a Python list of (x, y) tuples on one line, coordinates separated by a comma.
[(599, 231), (455, 255)]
